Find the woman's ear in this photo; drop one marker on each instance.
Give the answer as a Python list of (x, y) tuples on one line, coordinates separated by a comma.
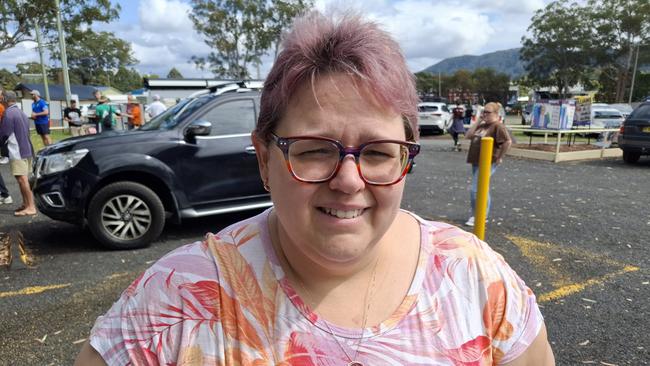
[(262, 152)]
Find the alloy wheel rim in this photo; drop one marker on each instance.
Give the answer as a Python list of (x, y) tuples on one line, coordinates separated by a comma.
[(126, 217)]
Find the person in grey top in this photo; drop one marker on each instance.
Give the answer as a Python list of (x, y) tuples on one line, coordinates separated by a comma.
[(15, 127)]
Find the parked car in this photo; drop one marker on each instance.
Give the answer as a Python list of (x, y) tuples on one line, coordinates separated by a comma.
[(434, 117), (194, 160), (605, 117), (634, 135)]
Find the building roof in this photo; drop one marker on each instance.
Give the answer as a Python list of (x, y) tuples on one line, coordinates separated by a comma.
[(57, 91), (109, 90)]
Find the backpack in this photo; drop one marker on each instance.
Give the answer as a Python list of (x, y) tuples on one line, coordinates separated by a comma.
[(107, 121)]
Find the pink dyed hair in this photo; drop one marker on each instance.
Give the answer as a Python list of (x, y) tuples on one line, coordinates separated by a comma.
[(318, 46)]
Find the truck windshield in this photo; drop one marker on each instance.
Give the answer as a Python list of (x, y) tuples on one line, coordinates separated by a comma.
[(174, 115)]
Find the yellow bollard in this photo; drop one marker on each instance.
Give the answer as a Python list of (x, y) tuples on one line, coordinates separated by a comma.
[(483, 186)]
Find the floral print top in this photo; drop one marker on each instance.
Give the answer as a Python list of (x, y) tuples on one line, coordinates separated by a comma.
[(226, 301)]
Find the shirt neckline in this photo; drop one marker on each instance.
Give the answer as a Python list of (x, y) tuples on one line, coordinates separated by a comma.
[(408, 302)]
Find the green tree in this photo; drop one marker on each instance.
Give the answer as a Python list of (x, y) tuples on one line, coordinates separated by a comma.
[(17, 18), (96, 57), (557, 51), (28, 68), (462, 81), (282, 13), (174, 74), (426, 84), (490, 85), (240, 31), (127, 79), (617, 27), (8, 80)]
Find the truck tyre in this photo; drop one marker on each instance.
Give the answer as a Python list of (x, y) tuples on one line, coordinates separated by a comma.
[(126, 215), (631, 157)]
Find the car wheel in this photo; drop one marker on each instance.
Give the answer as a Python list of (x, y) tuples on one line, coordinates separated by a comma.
[(126, 215), (631, 157)]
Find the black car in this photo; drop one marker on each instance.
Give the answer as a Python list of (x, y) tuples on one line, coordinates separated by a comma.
[(194, 160), (634, 136)]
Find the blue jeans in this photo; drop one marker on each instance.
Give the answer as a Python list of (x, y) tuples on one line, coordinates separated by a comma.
[(4, 192), (473, 189)]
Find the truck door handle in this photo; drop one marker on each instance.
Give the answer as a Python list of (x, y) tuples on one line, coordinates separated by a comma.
[(250, 149)]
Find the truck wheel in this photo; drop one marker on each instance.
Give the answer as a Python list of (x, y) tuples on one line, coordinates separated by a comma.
[(631, 157), (126, 215)]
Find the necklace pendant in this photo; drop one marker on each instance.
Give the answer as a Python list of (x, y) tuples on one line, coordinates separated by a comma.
[(355, 363)]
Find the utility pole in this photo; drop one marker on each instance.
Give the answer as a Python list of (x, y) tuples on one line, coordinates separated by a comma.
[(64, 57), (636, 62), (37, 29), (439, 86)]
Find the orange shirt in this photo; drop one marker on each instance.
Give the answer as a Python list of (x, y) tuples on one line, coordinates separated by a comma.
[(136, 112), (2, 111)]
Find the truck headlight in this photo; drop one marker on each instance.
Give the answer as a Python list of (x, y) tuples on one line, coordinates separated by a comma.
[(62, 161)]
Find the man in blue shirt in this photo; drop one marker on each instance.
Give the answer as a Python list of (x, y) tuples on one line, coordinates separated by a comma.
[(41, 117)]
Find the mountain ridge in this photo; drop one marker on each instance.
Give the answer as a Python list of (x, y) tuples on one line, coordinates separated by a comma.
[(504, 61)]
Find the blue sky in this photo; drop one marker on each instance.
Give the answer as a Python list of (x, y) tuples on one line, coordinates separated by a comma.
[(162, 36)]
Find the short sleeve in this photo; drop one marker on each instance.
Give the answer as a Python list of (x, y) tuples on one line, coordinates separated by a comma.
[(511, 317), (161, 312), (501, 135)]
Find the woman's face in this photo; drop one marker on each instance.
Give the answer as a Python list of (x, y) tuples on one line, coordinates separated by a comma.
[(307, 212), (490, 114)]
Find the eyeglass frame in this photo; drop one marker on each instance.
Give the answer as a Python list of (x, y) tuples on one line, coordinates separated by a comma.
[(283, 143)]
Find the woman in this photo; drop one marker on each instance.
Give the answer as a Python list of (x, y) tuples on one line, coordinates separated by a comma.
[(335, 273), (489, 125), (457, 125)]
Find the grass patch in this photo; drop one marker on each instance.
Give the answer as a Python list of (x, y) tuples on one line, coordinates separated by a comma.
[(55, 135)]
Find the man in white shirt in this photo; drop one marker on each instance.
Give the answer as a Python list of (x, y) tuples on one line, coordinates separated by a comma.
[(156, 108)]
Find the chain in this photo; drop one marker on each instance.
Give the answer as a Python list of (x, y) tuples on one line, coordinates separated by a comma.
[(367, 302)]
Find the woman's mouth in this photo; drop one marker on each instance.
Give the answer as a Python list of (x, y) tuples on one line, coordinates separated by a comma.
[(341, 214)]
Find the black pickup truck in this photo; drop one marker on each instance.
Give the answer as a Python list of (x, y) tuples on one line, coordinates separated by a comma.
[(194, 160)]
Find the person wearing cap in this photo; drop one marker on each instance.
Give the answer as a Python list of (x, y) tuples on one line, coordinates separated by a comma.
[(156, 108), (72, 115), (103, 110), (133, 112), (41, 117), (15, 126)]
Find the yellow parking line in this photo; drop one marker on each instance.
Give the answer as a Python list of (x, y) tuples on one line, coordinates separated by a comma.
[(577, 287), (538, 254), (32, 290)]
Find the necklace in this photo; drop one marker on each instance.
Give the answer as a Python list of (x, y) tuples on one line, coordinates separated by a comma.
[(367, 300)]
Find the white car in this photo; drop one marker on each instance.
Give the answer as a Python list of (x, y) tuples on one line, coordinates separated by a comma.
[(605, 117), (434, 117)]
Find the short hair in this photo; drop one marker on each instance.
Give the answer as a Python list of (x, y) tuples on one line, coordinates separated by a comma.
[(319, 45), (10, 96)]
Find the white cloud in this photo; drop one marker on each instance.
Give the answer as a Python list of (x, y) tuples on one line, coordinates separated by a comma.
[(164, 16), (428, 31), (24, 52)]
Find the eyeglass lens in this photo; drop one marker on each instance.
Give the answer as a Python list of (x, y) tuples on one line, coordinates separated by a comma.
[(317, 160)]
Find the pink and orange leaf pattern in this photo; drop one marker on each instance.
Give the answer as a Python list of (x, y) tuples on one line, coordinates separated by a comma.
[(226, 301)]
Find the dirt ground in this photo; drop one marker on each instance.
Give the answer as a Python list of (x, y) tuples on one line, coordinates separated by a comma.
[(563, 147)]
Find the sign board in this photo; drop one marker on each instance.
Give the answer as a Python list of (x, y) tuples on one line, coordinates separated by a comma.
[(582, 116), (553, 115)]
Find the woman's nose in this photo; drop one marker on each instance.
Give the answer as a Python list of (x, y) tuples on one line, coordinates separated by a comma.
[(348, 178)]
